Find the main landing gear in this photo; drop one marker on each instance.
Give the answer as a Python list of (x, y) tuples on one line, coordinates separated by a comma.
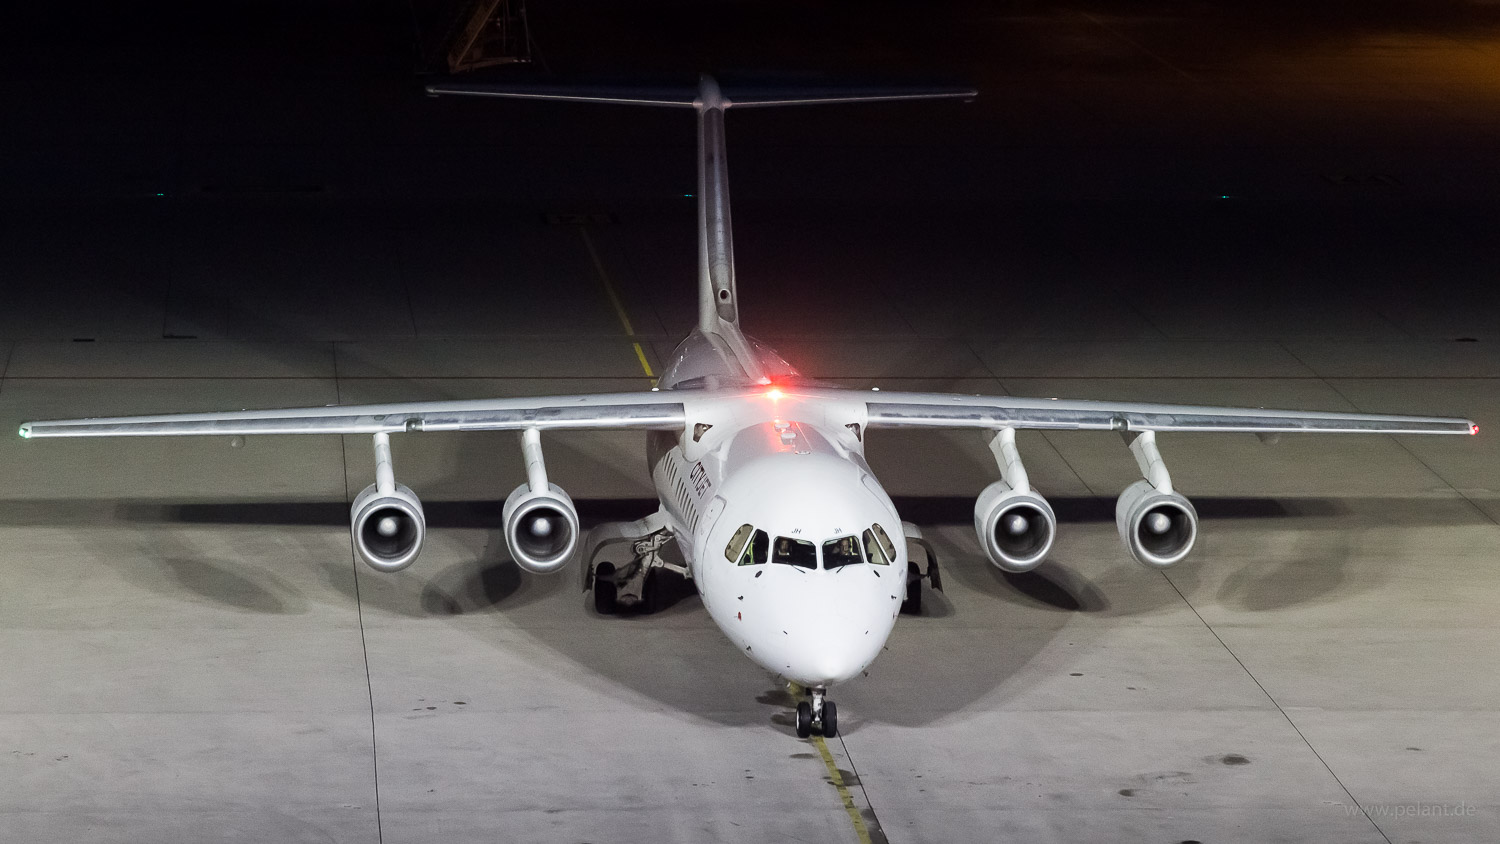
[(641, 585), (818, 714), (914, 575)]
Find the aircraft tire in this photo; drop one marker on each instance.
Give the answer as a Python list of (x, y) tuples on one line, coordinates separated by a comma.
[(654, 593), (605, 590), (830, 719), (804, 719), (913, 603)]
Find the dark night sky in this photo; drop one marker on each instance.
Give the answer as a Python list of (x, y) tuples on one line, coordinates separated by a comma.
[(1355, 141)]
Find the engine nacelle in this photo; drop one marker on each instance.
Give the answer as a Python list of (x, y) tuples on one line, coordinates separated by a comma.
[(388, 529), (1158, 528), (541, 528), (1015, 527)]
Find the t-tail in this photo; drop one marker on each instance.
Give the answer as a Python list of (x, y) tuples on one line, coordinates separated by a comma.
[(718, 298)]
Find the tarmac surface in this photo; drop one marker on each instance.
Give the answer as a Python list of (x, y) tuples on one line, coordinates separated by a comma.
[(1140, 207)]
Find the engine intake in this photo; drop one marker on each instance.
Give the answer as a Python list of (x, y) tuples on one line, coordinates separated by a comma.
[(388, 529), (1158, 528), (541, 528), (1015, 528)]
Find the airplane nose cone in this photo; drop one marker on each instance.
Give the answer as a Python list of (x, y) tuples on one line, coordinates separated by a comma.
[(833, 635), (826, 664), (828, 658)]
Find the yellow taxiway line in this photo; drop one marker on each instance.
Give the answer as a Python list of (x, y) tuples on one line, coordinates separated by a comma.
[(614, 299)]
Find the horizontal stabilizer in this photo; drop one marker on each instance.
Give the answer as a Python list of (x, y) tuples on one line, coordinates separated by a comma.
[(676, 97), (690, 96), (821, 96)]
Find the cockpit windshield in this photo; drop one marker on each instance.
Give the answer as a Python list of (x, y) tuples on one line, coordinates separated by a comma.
[(749, 546), (795, 552), (841, 552)]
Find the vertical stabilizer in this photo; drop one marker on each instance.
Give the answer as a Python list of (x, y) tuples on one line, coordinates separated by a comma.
[(718, 300)]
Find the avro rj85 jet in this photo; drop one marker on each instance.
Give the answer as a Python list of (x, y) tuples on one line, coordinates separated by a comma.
[(798, 553)]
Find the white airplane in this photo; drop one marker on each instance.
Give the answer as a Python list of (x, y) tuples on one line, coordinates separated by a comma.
[(798, 553)]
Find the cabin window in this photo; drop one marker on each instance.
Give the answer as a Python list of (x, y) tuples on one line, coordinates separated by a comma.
[(795, 552), (873, 551), (841, 552), (885, 542)]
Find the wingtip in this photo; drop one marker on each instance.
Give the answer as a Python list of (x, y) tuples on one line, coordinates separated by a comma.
[(26, 431)]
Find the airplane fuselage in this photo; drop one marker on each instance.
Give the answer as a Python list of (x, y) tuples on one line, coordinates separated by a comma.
[(796, 550)]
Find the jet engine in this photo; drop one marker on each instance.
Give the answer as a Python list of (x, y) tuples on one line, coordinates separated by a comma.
[(388, 527), (1015, 527), (541, 528), (1158, 528)]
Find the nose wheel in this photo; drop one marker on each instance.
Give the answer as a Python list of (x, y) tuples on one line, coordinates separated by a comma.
[(818, 714)]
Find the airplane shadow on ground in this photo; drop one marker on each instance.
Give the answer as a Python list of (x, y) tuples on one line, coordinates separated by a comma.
[(689, 672), (1314, 571), (486, 513)]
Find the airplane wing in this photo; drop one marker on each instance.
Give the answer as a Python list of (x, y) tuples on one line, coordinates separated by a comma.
[(640, 411), (941, 410)]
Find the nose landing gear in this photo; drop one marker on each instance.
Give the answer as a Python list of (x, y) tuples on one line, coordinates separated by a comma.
[(819, 713)]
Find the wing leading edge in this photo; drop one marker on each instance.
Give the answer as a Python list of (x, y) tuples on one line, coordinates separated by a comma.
[(665, 411), (639, 411), (939, 410)]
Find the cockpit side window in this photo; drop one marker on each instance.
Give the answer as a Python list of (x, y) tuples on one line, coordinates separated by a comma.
[(873, 551), (885, 541), (841, 552), (737, 542), (755, 552), (748, 546), (795, 552)]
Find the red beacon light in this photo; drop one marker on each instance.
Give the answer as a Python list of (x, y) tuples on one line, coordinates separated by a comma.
[(773, 393)]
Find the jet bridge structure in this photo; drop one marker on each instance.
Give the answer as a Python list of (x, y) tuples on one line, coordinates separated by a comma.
[(457, 36)]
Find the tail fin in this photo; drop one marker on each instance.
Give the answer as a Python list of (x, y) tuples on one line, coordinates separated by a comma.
[(718, 300)]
